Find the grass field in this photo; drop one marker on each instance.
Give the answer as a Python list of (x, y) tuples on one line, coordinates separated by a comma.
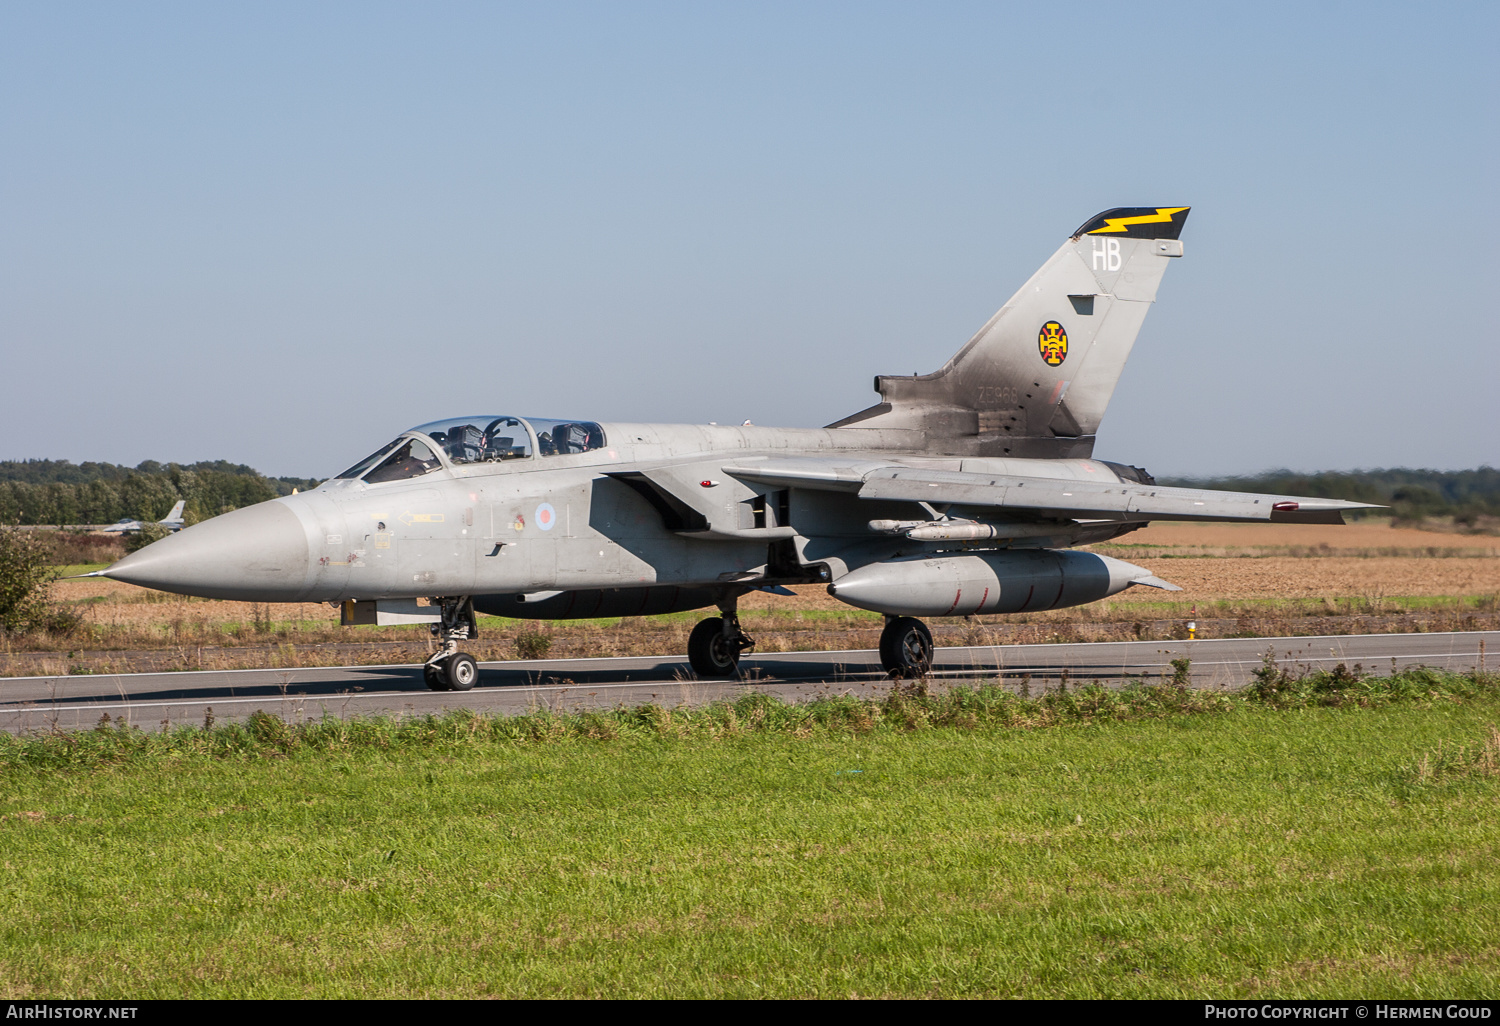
[(1161, 843)]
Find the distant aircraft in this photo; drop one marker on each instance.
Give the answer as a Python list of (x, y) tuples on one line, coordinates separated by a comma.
[(172, 520), (960, 492)]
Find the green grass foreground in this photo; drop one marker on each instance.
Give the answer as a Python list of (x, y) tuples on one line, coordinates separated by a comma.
[(1323, 836)]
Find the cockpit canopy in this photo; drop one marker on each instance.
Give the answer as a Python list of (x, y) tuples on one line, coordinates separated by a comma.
[(480, 439), (465, 440), (566, 437)]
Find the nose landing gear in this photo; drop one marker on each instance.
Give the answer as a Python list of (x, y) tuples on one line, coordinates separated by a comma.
[(715, 646), (448, 669)]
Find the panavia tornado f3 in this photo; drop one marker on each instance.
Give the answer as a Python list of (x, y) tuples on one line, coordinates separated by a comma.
[(960, 492)]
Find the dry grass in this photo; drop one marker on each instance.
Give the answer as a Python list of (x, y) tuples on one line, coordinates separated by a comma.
[(1289, 577), (1238, 580), (126, 610), (1361, 540), (1449, 762)]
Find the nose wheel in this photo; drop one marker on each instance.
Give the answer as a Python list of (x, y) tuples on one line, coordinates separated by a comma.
[(906, 647), (448, 669), (715, 646)]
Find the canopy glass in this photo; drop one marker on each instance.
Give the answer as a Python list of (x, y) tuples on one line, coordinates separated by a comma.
[(484, 439)]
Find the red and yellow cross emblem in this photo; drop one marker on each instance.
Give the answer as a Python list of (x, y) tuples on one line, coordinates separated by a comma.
[(1052, 340)]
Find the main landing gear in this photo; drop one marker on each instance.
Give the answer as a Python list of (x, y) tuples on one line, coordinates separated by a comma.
[(906, 647), (449, 669), (715, 646)]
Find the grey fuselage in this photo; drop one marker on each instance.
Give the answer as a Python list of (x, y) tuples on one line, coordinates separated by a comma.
[(651, 508)]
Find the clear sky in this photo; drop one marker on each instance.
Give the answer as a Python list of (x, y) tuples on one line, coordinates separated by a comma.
[(278, 233)]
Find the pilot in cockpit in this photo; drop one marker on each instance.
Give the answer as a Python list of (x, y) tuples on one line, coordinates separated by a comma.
[(411, 460)]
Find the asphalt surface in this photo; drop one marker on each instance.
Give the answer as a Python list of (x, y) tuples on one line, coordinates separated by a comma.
[(151, 700)]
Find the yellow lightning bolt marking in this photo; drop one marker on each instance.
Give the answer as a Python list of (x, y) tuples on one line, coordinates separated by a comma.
[(1119, 224)]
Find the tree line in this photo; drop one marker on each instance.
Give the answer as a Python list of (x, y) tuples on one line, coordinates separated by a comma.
[(1465, 495), (61, 492)]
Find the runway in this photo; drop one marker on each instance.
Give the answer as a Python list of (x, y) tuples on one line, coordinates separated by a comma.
[(152, 700)]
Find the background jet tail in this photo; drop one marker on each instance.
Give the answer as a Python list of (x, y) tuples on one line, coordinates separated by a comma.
[(174, 518), (1036, 379)]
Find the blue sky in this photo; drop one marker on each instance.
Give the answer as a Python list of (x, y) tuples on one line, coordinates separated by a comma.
[(279, 233)]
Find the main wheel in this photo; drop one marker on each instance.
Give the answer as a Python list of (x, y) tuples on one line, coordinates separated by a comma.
[(462, 671), (710, 652), (906, 647), (434, 676)]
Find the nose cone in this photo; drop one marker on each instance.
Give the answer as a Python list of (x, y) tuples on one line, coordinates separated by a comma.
[(255, 554), (902, 587)]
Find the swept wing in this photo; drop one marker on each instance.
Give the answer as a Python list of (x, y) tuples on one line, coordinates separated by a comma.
[(1041, 497)]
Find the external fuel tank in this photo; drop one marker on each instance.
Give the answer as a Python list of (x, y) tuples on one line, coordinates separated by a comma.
[(988, 582)]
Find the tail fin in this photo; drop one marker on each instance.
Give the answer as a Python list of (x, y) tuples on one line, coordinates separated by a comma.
[(1036, 379), (175, 517)]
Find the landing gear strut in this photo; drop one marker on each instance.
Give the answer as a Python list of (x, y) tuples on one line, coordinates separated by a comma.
[(906, 647), (448, 669), (715, 645)]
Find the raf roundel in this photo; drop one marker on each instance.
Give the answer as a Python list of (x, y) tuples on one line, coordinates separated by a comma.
[(546, 516), (1052, 341)]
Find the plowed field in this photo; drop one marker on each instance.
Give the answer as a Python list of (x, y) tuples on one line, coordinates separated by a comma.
[(1261, 579), (1470, 566), (1364, 536)]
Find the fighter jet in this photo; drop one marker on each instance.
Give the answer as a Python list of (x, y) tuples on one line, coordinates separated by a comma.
[(960, 492), (172, 521)]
